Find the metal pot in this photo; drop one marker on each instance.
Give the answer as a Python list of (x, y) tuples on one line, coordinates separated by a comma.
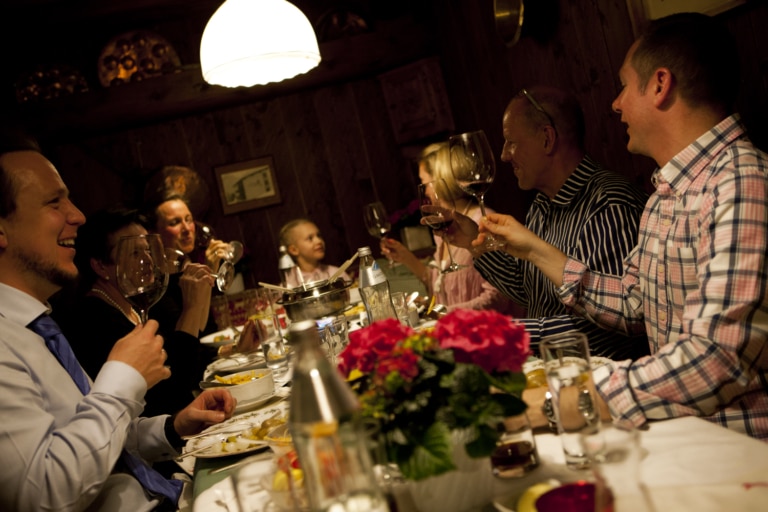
[(316, 300)]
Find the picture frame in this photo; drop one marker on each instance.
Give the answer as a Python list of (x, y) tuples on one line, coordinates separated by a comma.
[(247, 185), (642, 11)]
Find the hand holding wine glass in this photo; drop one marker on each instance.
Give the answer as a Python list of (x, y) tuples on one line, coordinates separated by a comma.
[(436, 194), (142, 271), (474, 167)]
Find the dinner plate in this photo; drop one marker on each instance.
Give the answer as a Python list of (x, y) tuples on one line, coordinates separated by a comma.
[(537, 364), (225, 445), (249, 405), (219, 338), (221, 431), (235, 363)]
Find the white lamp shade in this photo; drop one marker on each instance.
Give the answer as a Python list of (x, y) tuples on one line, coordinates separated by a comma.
[(255, 42)]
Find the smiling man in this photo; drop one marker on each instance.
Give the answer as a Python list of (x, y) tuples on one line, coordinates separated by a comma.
[(588, 212), (697, 281), (69, 443)]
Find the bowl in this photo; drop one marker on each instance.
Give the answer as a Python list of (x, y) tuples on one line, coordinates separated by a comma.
[(316, 300), (249, 385)]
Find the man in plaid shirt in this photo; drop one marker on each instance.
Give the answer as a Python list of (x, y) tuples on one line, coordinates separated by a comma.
[(696, 282)]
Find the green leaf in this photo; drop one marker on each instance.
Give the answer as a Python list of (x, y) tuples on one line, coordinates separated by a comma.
[(430, 456), (512, 383)]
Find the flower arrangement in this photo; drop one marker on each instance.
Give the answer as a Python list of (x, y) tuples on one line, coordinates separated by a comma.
[(422, 386)]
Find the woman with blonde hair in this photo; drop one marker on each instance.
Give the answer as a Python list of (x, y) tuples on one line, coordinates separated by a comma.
[(463, 288)]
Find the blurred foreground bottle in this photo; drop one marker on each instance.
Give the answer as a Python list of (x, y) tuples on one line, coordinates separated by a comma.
[(374, 288), (327, 431)]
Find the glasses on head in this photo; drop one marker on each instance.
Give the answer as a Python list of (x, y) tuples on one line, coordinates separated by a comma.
[(538, 107)]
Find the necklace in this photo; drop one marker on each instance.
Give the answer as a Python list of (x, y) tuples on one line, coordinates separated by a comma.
[(132, 316)]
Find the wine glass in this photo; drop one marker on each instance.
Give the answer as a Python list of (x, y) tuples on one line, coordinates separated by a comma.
[(436, 193), (203, 234), (142, 271), (226, 273), (377, 222), (474, 167)]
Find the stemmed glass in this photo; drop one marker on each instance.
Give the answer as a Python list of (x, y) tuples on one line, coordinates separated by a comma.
[(142, 271), (377, 222), (474, 167), (226, 273), (436, 193)]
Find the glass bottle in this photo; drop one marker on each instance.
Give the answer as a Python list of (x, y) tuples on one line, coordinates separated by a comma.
[(374, 288), (328, 433), (285, 265)]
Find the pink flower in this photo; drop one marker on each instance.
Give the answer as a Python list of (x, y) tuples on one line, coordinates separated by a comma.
[(488, 339), (367, 346)]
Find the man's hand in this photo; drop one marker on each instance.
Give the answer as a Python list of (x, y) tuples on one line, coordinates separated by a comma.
[(461, 232), (210, 407), (142, 349)]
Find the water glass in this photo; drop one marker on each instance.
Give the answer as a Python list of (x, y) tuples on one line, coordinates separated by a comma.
[(615, 458), (399, 301), (515, 454), (275, 354), (334, 336), (574, 399)]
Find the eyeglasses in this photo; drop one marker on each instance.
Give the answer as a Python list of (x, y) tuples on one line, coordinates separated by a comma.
[(538, 107)]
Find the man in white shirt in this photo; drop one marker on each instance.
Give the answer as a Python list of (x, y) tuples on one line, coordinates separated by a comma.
[(71, 445)]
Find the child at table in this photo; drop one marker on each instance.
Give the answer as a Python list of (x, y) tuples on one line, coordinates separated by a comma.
[(303, 242)]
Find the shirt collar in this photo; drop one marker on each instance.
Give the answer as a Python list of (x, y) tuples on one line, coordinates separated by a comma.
[(684, 167), (20, 307), (573, 185)]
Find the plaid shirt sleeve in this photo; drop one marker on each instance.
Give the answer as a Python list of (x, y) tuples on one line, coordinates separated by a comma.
[(698, 280)]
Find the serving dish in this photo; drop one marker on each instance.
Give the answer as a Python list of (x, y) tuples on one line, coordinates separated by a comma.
[(316, 300)]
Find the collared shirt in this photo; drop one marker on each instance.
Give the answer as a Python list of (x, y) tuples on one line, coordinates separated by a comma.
[(59, 447), (697, 283), (594, 217)]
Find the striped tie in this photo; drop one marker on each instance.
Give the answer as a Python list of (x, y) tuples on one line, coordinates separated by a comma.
[(150, 479)]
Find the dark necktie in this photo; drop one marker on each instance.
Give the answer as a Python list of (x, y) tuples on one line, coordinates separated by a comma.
[(150, 479)]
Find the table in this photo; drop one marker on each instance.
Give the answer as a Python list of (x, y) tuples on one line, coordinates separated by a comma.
[(689, 464)]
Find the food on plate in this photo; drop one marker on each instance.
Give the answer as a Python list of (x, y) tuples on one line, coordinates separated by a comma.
[(239, 378), (535, 378), (248, 438), (355, 311)]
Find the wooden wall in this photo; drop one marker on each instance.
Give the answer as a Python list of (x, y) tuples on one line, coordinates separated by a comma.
[(333, 146)]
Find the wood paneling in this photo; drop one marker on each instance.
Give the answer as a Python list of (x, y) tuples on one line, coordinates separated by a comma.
[(333, 145)]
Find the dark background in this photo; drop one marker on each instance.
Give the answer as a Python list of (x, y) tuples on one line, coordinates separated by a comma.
[(330, 132)]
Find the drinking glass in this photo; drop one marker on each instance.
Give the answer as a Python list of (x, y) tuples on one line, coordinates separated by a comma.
[(436, 193), (377, 222), (515, 454), (574, 399), (474, 168), (203, 234), (226, 273), (142, 271)]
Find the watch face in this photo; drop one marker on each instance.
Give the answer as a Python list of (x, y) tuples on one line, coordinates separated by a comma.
[(509, 20)]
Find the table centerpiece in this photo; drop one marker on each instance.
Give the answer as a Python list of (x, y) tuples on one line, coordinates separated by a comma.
[(432, 388)]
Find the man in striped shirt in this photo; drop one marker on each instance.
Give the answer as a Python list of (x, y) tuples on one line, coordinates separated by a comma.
[(588, 212), (696, 282)]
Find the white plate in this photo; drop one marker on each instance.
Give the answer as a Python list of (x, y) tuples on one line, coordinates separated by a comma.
[(249, 405), (216, 442), (236, 363), (537, 364), (223, 430), (225, 336)]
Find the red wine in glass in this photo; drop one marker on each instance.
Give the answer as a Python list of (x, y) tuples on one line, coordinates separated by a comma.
[(436, 193)]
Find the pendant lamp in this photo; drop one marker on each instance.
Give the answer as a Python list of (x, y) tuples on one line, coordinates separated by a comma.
[(255, 42)]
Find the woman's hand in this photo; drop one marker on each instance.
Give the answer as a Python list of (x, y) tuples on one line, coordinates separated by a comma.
[(196, 282), (214, 253)]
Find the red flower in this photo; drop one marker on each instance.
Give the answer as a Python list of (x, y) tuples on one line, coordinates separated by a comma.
[(368, 346), (488, 339), (405, 362)]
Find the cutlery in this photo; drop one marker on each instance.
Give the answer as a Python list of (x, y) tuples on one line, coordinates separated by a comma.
[(344, 266), (275, 287)]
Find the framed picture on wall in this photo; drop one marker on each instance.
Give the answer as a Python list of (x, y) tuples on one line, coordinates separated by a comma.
[(247, 185), (642, 11)]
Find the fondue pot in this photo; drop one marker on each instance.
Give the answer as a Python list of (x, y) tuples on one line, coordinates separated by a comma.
[(316, 300)]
